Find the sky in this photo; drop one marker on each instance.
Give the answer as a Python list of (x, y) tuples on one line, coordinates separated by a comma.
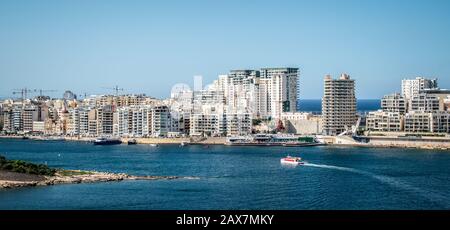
[(148, 46)]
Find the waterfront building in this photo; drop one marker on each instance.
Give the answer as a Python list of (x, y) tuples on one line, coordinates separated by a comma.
[(241, 91), (123, 120), (440, 122), (204, 124), (338, 105), (265, 93), (39, 126), (238, 124), (83, 114), (418, 122), (92, 122), (426, 103), (160, 120), (283, 89), (7, 119), (433, 122), (412, 87), (394, 103), (302, 123), (29, 115), (384, 121), (73, 126), (105, 120), (16, 119)]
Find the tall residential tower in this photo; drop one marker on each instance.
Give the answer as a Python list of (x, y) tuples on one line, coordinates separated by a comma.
[(338, 105)]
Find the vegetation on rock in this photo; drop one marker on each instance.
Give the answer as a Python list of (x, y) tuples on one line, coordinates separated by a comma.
[(20, 166)]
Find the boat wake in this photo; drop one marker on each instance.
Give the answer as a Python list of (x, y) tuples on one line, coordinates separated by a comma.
[(431, 196), (191, 178)]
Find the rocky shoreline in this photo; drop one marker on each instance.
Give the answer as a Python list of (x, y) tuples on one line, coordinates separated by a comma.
[(17, 180)]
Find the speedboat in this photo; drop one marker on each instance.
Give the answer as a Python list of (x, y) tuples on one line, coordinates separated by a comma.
[(154, 145), (292, 161)]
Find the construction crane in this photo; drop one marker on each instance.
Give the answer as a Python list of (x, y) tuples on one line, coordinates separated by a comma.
[(116, 89), (41, 91), (23, 92)]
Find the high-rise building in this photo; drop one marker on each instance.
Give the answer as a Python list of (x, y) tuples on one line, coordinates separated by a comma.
[(264, 93), (412, 87), (338, 105)]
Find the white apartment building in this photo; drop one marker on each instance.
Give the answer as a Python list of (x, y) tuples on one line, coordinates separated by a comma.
[(264, 93), (143, 121), (394, 103), (238, 124), (207, 124), (418, 122), (412, 87), (435, 122), (73, 126), (426, 103), (440, 122), (384, 121), (283, 90), (160, 120)]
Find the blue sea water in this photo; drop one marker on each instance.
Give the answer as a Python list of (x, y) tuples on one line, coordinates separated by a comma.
[(223, 177), (315, 105)]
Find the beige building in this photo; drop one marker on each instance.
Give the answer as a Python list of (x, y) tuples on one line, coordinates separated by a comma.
[(384, 121), (338, 105), (302, 123)]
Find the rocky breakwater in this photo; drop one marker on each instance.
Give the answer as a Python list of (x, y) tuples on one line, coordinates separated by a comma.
[(16, 180)]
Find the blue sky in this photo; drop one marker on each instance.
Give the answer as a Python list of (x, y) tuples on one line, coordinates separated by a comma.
[(148, 46)]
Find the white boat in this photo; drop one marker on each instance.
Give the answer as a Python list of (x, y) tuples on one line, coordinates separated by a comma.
[(184, 143), (154, 145), (292, 161)]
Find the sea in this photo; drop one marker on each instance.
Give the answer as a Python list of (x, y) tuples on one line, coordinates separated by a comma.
[(315, 105), (236, 178)]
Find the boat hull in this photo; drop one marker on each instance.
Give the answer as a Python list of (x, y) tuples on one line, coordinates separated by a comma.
[(286, 162), (108, 142)]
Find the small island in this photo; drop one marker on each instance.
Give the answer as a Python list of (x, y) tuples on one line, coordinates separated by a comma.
[(18, 173)]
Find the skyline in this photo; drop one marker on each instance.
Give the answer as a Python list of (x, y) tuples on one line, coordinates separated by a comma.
[(89, 45)]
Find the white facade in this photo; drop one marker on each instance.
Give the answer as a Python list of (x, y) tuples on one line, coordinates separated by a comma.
[(384, 121), (394, 103), (412, 87)]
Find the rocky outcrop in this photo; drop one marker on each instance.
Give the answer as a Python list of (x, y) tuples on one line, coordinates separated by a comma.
[(77, 177)]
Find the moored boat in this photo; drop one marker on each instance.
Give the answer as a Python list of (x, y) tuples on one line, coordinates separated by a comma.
[(107, 141), (132, 142)]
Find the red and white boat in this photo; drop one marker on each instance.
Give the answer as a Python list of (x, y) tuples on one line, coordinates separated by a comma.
[(292, 160)]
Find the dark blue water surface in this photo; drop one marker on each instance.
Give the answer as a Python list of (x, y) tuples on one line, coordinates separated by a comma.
[(315, 105), (236, 177)]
